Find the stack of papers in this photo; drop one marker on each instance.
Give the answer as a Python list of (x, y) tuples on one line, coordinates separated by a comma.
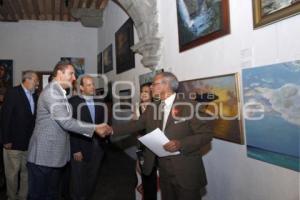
[(155, 141)]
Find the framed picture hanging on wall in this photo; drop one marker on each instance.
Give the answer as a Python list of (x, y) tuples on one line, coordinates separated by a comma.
[(200, 21), (220, 97), (107, 57), (269, 11), (6, 77), (99, 63), (124, 39)]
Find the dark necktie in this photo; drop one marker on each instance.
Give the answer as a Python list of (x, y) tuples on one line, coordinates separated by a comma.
[(161, 114)]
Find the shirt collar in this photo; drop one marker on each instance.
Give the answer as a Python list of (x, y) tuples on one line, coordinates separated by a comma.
[(169, 101), (62, 89), (26, 90), (88, 98)]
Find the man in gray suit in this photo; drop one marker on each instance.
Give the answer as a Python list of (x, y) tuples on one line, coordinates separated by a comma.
[(49, 147)]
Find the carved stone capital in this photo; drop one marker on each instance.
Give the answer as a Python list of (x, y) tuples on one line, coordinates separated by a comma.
[(149, 48)]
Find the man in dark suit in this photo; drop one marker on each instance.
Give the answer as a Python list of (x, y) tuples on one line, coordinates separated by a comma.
[(181, 176), (86, 153), (18, 118)]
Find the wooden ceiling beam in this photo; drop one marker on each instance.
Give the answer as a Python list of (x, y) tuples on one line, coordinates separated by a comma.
[(80, 4), (3, 12), (71, 4), (24, 4), (61, 10), (18, 8), (101, 4), (89, 3), (36, 9), (53, 9), (47, 9), (98, 3), (11, 12)]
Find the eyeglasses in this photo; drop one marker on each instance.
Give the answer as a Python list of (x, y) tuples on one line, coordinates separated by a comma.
[(154, 84)]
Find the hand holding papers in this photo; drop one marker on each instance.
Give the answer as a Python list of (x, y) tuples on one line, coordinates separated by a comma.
[(155, 141)]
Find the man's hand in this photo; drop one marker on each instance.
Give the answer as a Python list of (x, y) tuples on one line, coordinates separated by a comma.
[(103, 130), (78, 156), (7, 146), (172, 146)]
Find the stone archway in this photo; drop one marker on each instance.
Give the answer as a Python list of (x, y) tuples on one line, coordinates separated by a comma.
[(144, 14)]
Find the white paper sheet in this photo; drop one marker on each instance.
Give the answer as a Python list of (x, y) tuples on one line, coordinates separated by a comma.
[(155, 141)]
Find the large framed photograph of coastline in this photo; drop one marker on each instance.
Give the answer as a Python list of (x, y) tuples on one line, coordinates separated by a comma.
[(272, 115), (269, 11), (219, 97), (200, 21)]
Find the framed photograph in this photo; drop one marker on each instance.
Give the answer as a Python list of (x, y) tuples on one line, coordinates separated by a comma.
[(107, 57), (219, 97), (269, 11), (200, 21), (99, 63), (124, 39), (272, 119), (6, 77), (125, 99), (78, 64)]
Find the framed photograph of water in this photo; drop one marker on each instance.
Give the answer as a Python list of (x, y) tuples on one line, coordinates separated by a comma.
[(200, 21), (272, 113)]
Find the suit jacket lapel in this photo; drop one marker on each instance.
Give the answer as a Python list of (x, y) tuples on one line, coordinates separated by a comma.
[(99, 112), (25, 99), (86, 111)]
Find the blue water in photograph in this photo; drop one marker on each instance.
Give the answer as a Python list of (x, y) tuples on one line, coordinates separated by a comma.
[(275, 138)]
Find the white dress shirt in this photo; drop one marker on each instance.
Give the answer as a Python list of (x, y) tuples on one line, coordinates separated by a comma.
[(167, 108)]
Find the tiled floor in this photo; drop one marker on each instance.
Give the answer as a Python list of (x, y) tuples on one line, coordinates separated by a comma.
[(116, 179)]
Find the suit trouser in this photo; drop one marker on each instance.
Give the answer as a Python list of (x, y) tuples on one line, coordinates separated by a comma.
[(65, 182), (2, 174), (43, 182), (84, 176), (15, 163), (150, 185), (171, 189)]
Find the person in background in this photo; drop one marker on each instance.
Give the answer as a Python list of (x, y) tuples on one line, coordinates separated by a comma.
[(18, 118), (86, 153), (49, 147), (3, 87), (149, 182)]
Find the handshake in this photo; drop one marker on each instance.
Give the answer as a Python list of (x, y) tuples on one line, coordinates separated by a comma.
[(103, 130)]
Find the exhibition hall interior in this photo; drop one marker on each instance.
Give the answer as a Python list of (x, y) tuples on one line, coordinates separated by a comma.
[(238, 60)]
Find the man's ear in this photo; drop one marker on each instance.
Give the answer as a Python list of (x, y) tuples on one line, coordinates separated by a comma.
[(80, 87)]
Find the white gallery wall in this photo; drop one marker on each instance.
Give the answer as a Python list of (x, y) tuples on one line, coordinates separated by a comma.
[(231, 174), (39, 45)]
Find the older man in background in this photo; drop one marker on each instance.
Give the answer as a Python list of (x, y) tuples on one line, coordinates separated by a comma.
[(18, 117)]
